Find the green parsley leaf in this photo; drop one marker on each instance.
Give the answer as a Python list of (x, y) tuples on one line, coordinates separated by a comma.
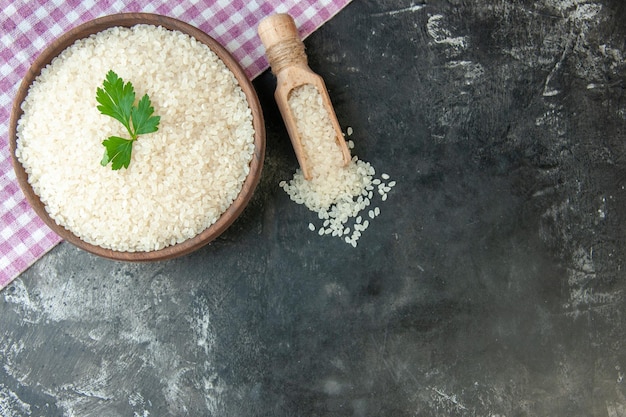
[(117, 100), (118, 151), (142, 118)]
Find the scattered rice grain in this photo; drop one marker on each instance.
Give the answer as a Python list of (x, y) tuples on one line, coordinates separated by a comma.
[(336, 192)]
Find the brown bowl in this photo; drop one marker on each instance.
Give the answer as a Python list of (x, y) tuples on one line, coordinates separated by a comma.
[(129, 20)]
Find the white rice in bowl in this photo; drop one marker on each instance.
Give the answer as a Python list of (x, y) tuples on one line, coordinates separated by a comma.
[(180, 178)]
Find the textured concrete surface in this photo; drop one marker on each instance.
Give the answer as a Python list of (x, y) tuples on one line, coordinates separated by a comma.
[(492, 283)]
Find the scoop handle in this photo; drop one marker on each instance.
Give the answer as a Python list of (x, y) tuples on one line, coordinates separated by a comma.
[(276, 28), (283, 45)]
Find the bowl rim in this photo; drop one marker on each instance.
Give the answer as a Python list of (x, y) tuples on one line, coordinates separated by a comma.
[(128, 20)]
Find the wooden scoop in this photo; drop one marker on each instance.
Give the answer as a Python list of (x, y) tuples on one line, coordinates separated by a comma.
[(285, 52)]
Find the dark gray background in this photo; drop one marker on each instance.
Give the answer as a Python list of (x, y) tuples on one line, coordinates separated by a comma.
[(492, 283)]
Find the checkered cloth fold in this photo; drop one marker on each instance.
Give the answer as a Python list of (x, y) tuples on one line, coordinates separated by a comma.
[(29, 26)]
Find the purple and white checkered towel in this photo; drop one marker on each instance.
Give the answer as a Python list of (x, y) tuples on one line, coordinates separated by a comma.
[(28, 26)]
